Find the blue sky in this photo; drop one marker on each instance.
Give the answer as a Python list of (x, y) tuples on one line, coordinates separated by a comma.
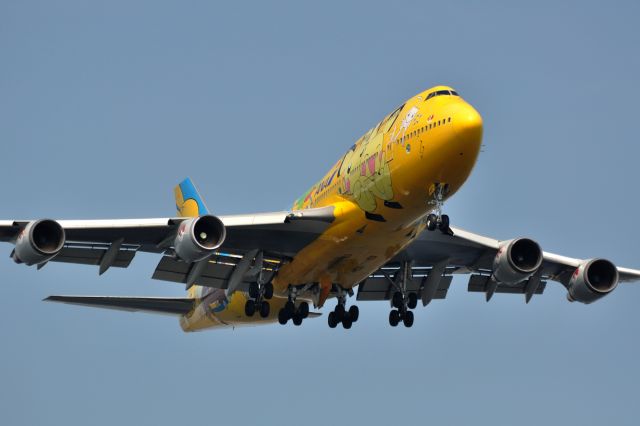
[(105, 106)]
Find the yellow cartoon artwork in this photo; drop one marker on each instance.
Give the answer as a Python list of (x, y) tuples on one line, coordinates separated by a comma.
[(363, 174), (364, 171)]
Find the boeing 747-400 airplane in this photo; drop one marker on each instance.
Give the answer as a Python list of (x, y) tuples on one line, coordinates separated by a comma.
[(372, 226)]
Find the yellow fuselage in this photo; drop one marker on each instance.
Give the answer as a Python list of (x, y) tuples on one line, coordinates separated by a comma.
[(382, 190)]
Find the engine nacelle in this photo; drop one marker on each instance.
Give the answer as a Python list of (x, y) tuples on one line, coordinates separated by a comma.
[(592, 280), (38, 242), (516, 261), (198, 238)]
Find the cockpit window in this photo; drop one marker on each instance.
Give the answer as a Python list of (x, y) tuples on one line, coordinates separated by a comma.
[(441, 93)]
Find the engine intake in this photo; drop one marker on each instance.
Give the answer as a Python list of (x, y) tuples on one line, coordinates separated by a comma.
[(516, 261), (38, 242), (199, 237), (592, 280)]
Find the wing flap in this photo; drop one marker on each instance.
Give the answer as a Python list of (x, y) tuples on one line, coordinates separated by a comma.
[(478, 284), (92, 255), (379, 288), (215, 275)]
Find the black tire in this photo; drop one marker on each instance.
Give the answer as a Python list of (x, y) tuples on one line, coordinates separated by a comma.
[(397, 301), (254, 290), (282, 317), (303, 309), (412, 301), (346, 322), (408, 319), (250, 307), (354, 313), (268, 291), (265, 309), (339, 310), (432, 222), (332, 320), (444, 222), (290, 308), (394, 318), (297, 319)]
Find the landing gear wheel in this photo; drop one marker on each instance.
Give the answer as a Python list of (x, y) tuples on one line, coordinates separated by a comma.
[(297, 319), (432, 222), (394, 318), (332, 320), (408, 319), (289, 308), (346, 322), (303, 309), (397, 300), (282, 317), (412, 302), (354, 313), (250, 307), (254, 290), (268, 291), (264, 309), (339, 312), (444, 223)]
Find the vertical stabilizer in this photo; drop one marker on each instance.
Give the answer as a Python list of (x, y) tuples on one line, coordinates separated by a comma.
[(188, 200)]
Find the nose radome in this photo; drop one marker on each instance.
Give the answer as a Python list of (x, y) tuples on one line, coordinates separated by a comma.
[(468, 124)]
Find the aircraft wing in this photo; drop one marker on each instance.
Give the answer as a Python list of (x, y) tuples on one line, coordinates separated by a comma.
[(441, 256), (114, 243)]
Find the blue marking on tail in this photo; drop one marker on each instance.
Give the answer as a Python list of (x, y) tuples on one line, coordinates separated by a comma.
[(189, 191)]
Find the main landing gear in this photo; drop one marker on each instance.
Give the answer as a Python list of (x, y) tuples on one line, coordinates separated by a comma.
[(341, 315), (258, 299), (438, 220), (291, 312), (402, 300), (403, 307)]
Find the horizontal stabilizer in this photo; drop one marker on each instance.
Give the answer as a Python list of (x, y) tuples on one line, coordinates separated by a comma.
[(160, 305)]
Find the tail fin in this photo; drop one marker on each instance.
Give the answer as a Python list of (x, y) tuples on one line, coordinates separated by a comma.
[(188, 200)]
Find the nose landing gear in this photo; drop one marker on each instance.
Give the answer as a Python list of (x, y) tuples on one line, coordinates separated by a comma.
[(437, 220)]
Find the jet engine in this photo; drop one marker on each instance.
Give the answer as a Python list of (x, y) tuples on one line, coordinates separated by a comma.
[(592, 280), (38, 242), (198, 238), (516, 261)]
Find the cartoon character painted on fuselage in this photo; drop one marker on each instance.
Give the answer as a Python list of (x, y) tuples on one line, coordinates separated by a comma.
[(365, 170), (363, 173)]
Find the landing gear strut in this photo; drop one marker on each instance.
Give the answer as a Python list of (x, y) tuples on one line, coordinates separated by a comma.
[(437, 220), (291, 312), (258, 299), (260, 291), (402, 300), (340, 314)]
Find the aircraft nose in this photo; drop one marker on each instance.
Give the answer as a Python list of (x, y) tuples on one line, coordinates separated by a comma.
[(468, 125)]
